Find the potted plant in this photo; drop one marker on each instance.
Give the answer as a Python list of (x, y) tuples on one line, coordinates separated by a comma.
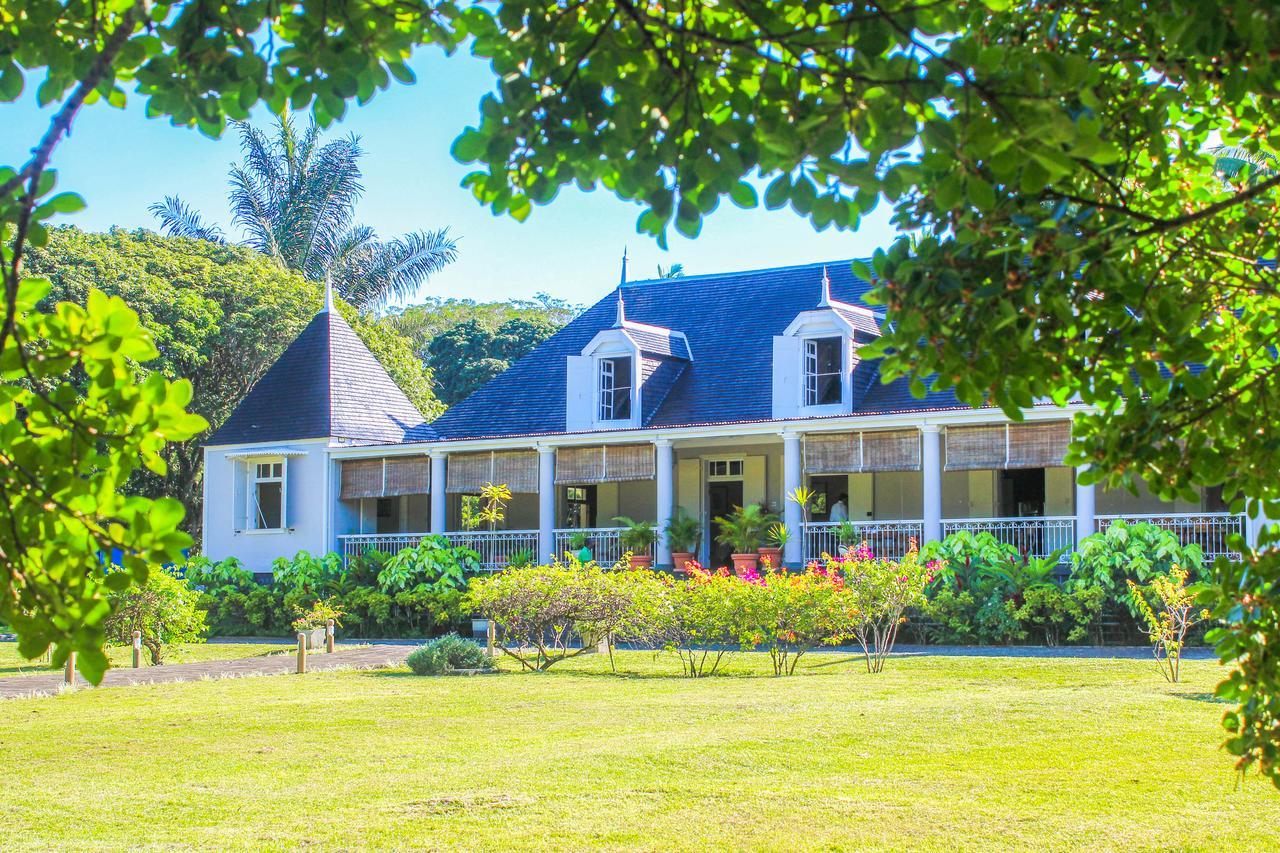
[(743, 530), (848, 534), (578, 545), (637, 537), (683, 535), (777, 537), (314, 620)]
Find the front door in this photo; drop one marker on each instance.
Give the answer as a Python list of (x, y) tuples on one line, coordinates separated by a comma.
[(722, 498)]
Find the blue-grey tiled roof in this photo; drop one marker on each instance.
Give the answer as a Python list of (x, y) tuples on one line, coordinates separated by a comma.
[(730, 320), (659, 343), (326, 385)]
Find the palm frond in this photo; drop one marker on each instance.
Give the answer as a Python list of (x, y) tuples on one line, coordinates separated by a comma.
[(253, 212), (378, 272), (330, 193), (261, 161), (178, 219), (1231, 161)]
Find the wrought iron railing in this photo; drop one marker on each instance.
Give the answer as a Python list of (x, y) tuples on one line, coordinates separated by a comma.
[(605, 543), (1038, 537), (497, 547), (1209, 530), (359, 544), (889, 539)]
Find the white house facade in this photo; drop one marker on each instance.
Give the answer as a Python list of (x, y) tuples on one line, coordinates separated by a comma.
[(696, 394)]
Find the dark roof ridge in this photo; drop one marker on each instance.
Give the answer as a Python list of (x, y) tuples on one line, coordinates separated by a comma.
[(666, 282)]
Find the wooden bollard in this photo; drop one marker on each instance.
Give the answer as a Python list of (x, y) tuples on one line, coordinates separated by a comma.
[(137, 649), (69, 671), (490, 638), (302, 653), (328, 637)]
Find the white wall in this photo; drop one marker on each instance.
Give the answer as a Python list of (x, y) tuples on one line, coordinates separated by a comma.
[(308, 487), (898, 495)]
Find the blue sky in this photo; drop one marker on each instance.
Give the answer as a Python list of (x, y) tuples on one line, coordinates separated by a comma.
[(120, 161)]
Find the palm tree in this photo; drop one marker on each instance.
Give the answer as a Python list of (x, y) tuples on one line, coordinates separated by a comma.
[(673, 271), (295, 198), (1232, 161)]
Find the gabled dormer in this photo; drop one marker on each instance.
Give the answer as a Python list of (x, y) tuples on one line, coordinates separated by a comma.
[(815, 357), (622, 374)]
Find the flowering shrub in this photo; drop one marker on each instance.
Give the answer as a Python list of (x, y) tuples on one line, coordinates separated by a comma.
[(877, 594), (790, 614), (700, 619), (317, 615)]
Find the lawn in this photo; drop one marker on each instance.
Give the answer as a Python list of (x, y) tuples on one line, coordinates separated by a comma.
[(935, 752), (11, 663)]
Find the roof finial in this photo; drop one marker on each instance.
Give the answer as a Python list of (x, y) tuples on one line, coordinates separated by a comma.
[(623, 279), (825, 301), (328, 293), (622, 312)]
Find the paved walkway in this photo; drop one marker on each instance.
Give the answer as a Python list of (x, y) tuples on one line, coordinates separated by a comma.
[(358, 657)]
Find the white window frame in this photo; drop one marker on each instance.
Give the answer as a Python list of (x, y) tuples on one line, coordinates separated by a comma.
[(253, 479), (811, 377), (729, 462), (607, 386)]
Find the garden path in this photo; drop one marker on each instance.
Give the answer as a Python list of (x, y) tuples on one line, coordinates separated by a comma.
[(351, 657)]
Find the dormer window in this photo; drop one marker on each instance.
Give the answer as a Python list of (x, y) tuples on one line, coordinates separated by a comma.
[(823, 371), (615, 389)]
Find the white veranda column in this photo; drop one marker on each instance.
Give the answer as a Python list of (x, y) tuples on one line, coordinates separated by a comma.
[(1086, 507), (439, 499), (792, 514), (931, 472), (546, 503), (666, 465)]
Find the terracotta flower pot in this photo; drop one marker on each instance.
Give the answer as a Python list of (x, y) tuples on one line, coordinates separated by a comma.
[(641, 561), (680, 560), (745, 562), (773, 555)]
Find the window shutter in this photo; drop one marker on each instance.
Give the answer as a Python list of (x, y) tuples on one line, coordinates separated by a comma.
[(976, 447), (1038, 445), (891, 450), (580, 393), (787, 378), (832, 453), (361, 478), (407, 475)]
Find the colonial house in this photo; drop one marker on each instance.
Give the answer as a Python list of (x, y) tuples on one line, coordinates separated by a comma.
[(697, 394)]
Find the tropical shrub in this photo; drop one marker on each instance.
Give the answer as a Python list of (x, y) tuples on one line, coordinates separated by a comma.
[(950, 617), (1056, 614), (1125, 552), (163, 609), (304, 572), (448, 654), (433, 562), (204, 574), (967, 559), (879, 592), (1169, 621), (636, 536)]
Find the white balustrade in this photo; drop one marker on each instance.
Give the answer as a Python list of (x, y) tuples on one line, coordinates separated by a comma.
[(497, 547), (1038, 537), (605, 543), (357, 545), (888, 539), (1209, 530)]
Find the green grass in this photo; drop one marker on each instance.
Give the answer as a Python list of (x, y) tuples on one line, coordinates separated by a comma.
[(11, 663), (934, 753)]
